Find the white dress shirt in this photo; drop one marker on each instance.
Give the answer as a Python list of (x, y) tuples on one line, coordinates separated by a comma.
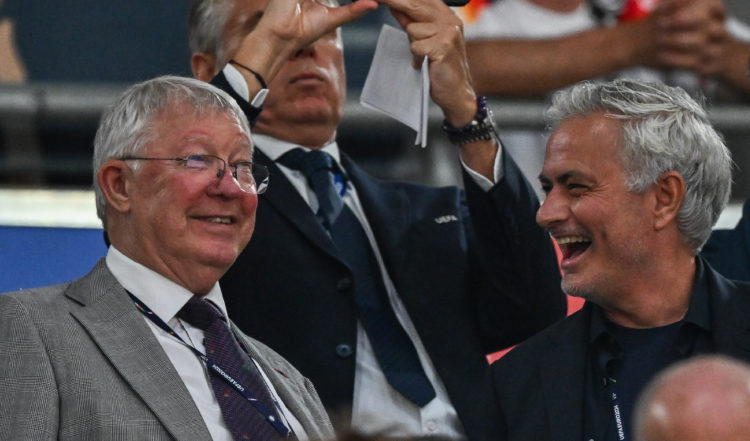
[(165, 298), (377, 407)]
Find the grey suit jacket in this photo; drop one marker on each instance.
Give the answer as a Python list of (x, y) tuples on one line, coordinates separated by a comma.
[(78, 362)]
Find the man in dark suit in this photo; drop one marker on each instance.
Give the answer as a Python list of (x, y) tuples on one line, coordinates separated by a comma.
[(140, 347), (456, 287), (635, 178)]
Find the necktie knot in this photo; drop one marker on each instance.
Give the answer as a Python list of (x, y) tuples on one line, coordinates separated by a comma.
[(200, 313), (309, 163), (320, 169)]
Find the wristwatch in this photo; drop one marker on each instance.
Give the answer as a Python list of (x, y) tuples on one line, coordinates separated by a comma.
[(480, 128)]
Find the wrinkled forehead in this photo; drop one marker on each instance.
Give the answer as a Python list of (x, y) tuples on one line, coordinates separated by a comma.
[(184, 121)]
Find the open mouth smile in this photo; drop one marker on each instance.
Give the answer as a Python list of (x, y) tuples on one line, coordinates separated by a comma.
[(572, 246)]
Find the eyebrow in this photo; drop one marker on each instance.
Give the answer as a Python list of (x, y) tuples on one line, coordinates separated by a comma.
[(565, 177)]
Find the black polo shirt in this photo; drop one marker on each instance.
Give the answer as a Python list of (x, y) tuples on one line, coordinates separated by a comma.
[(623, 360)]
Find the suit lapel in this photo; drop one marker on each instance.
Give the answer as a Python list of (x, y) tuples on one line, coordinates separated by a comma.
[(285, 199), (387, 209), (565, 363), (121, 333)]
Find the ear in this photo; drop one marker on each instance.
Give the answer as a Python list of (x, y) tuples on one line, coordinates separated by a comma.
[(203, 66), (669, 191), (115, 179)]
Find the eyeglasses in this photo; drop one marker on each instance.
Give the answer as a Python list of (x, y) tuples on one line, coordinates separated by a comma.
[(251, 178)]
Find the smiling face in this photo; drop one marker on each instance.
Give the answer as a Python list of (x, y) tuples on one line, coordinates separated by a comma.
[(602, 228), (189, 226)]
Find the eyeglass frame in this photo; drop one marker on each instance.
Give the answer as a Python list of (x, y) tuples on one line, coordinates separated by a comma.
[(260, 187)]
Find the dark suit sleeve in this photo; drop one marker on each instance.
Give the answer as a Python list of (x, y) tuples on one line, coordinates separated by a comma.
[(251, 112), (728, 251), (515, 270)]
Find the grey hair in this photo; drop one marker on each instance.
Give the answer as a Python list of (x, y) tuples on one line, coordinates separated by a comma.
[(665, 129), (207, 20), (128, 126)]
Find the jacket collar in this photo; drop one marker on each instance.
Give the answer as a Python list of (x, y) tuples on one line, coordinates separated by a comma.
[(121, 333)]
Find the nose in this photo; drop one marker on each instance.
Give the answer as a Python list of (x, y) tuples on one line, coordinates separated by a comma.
[(308, 50), (553, 210), (225, 184)]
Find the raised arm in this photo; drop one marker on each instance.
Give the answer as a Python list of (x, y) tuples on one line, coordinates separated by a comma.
[(436, 32)]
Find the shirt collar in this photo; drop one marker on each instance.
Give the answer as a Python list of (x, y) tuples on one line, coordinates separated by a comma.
[(160, 294), (274, 147)]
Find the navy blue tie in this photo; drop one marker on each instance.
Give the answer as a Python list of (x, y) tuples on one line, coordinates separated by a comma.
[(241, 417), (394, 350)]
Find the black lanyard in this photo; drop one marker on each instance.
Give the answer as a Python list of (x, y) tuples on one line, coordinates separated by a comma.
[(268, 415), (616, 414)]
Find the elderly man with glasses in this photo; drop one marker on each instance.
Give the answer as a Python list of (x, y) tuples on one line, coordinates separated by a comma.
[(140, 347)]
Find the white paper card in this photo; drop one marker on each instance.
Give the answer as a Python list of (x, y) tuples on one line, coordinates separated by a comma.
[(394, 87)]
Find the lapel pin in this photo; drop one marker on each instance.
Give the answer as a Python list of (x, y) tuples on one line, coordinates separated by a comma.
[(445, 219)]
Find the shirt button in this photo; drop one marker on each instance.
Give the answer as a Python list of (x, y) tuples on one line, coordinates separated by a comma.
[(431, 426), (344, 284), (343, 350)]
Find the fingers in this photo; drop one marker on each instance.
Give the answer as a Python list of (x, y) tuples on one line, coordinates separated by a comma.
[(417, 10), (436, 32), (435, 41), (401, 18), (338, 16), (690, 14), (298, 23), (691, 34)]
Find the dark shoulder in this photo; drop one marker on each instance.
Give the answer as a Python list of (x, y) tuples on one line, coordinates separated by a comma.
[(571, 329)]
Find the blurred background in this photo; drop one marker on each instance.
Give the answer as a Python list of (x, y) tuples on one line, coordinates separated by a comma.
[(62, 62)]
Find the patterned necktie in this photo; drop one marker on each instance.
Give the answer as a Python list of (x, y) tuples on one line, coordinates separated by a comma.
[(242, 418), (394, 350)]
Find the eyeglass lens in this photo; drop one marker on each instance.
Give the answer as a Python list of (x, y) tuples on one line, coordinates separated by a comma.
[(248, 176)]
